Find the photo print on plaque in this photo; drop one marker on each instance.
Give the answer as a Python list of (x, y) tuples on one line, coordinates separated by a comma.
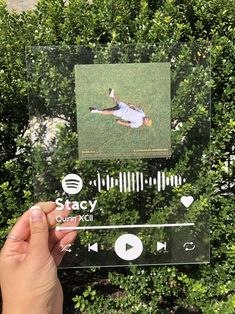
[(123, 110)]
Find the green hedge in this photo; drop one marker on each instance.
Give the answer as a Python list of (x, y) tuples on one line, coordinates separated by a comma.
[(177, 289)]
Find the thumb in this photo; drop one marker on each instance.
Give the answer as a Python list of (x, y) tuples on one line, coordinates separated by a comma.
[(38, 244)]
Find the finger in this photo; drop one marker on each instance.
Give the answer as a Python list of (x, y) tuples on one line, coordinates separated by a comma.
[(56, 235), (51, 212), (59, 250), (56, 215), (21, 229), (38, 243), (47, 207), (16, 245)]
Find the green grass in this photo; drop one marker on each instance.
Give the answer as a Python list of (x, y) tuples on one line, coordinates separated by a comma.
[(147, 85)]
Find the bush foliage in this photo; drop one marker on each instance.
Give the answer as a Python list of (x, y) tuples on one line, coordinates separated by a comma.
[(177, 289)]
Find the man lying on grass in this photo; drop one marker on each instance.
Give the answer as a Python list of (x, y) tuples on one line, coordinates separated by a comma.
[(128, 114)]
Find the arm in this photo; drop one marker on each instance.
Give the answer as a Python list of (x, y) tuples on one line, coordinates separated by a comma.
[(133, 107), (124, 123)]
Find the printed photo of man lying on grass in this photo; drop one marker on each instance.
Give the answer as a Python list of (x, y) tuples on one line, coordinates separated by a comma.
[(137, 124)]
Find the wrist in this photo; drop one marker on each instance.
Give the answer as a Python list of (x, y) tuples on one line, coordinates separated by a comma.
[(32, 308)]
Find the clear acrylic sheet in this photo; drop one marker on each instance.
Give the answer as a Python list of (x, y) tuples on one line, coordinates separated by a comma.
[(142, 192)]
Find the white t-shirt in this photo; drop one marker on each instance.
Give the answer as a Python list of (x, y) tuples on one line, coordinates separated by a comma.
[(134, 116)]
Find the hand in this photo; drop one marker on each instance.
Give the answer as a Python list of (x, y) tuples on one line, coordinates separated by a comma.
[(28, 260)]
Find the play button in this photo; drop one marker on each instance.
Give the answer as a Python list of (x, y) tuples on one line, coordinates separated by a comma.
[(128, 247)]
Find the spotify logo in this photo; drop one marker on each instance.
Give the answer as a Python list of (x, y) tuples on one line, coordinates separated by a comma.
[(72, 184)]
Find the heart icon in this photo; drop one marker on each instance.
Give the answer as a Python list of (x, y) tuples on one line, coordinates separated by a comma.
[(186, 200)]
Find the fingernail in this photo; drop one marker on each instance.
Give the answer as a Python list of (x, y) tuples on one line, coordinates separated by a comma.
[(36, 213)]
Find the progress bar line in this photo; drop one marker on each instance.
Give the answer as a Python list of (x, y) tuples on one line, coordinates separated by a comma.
[(125, 226)]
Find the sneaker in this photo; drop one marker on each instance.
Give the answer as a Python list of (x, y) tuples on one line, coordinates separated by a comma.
[(93, 110), (111, 93)]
